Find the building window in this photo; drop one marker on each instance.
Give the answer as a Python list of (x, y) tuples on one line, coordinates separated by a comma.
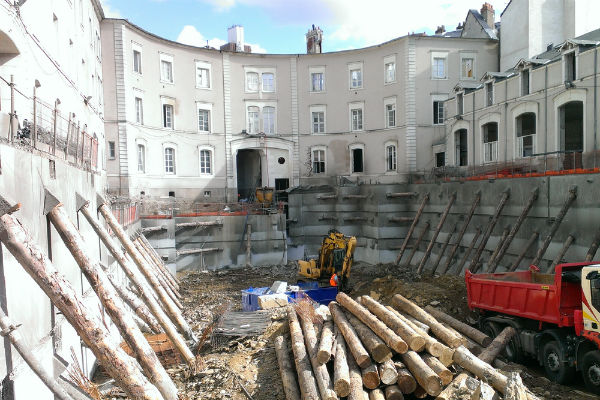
[(203, 120), (467, 68), (137, 61), (439, 68), (489, 94), (141, 158), (390, 72), (440, 159), (268, 120), (206, 162), (253, 121), (490, 142), (268, 82), (526, 134), (525, 82), (112, 152), (317, 82), (390, 157), (252, 82), (390, 115), (318, 161), (167, 116), (166, 69), (202, 75), (356, 78), (318, 122), (459, 103), (169, 160), (570, 67), (139, 111), (356, 118), (461, 146), (357, 160), (438, 112)]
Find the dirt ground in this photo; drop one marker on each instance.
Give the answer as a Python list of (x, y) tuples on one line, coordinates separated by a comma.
[(251, 363)]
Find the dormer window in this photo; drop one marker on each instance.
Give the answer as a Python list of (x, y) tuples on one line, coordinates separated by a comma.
[(570, 67), (525, 82), (459, 103)]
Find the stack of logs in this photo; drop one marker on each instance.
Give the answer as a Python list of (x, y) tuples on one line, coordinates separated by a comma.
[(381, 352)]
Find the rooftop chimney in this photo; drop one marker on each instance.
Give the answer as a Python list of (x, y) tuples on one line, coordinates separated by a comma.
[(235, 40), (314, 39), (440, 30), (487, 12)]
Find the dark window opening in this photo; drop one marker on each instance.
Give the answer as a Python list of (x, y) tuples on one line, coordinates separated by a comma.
[(570, 67), (440, 159), (571, 133), (171, 194), (489, 88), (460, 140), (281, 160), (525, 134), (438, 112), (459, 103), (357, 160), (525, 82), (53, 169)]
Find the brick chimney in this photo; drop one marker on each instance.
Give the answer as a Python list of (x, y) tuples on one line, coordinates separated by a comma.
[(440, 30), (487, 12), (314, 40)]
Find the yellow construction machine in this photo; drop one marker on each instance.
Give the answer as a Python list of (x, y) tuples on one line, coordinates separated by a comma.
[(335, 257)]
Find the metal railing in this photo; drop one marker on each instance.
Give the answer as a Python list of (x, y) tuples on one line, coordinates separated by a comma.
[(126, 213), (44, 127)]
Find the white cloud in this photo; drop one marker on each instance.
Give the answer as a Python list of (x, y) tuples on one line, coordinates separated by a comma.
[(109, 11), (191, 36)]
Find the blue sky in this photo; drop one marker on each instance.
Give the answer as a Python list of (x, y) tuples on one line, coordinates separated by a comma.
[(279, 26)]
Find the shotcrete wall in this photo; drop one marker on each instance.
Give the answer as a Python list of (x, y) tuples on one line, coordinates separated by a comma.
[(379, 239)]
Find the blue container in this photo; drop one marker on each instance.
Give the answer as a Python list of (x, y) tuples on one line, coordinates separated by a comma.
[(324, 295), (250, 298)]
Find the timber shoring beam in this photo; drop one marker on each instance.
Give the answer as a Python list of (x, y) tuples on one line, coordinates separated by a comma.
[(532, 198), (436, 233), (475, 264), (159, 261), (412, 228), (462, 232), (593, 247), (534, 236), (561, 254), (417, 243), (110, 299), (505, 233), (198, 251), (443, 250), (557, 221), (63, 295), (469, 250), (145, 291)]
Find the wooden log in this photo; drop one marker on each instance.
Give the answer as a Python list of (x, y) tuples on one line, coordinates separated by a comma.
[(513, 232), (341, 373), (492, 258), (355, 196), (415, 341), (326, 343), (370, 376), (417, 243), (248, 245), (376, 347), (393, 392), (137, 305), (436, 365), (401, 220), (360, 354), (63, 295), (159, 261), (306, 379), (390, 338), (197, 224), (10, 330), (438, 228), (159, 266), (469, 250), (187, 252), (320, 371), (561, 254), (170, 308), (479, 368), (171, 292), (110, 299), (433, 347), (288, 376), (356, 382), (593, 247), (406, 382), (467, 330), (144, 289), (401, 195), (534, 236), (419, 324), (474, 266), (462, 232), (420, 393), (327, 196), (412, 228), (376, 394), (446, 336), (515, 389), (442, 251), (149, 229), (557, 221), (388, 373), (424, 375), (467, 342)]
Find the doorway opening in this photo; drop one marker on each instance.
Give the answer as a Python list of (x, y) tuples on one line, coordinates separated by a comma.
[(571, 133), (357, 160), (460, 139), (249, 173)]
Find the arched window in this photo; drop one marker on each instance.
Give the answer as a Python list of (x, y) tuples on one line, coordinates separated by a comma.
[(490, 142), (526, 131)]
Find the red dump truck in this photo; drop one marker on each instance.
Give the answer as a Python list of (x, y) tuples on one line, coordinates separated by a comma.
[(556, 316)]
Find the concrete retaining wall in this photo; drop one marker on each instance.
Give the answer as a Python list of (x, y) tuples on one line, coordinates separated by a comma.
[(379, 239)]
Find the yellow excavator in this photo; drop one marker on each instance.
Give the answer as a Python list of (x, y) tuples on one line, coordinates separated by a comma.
[(335, 257)]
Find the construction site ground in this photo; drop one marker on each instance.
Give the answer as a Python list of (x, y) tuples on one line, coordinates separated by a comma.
[(230, 363)]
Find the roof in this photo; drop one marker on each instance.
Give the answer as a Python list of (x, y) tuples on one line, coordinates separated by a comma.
[(484, 25), (497, 75), (467, 86)]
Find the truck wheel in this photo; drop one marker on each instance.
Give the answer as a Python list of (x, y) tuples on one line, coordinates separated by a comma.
[(512, 351), (556, 368), (590, 368)]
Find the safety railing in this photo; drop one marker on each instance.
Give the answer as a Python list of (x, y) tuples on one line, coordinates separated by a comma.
[(126, 213), (45, 127)]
